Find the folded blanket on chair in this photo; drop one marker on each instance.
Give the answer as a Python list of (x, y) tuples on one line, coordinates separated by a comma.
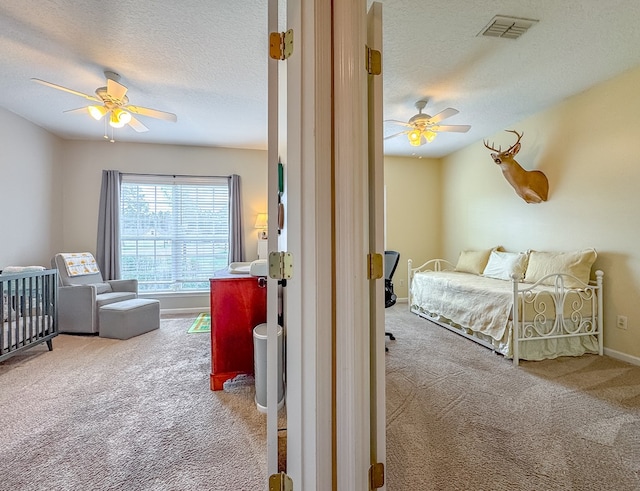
[(80, 263)]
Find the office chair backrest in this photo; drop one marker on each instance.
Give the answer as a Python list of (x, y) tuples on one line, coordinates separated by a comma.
[(391, 259)]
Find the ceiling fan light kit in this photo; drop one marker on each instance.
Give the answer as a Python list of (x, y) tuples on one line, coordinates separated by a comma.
[(423, 128), (113, 101), (414, 137), (119, 118)]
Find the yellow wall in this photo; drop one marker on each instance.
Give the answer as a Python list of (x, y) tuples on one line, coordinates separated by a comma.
[(589, 148), (413, 212)]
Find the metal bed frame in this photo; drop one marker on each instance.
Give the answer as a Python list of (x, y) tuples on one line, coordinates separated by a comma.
[(561, 313)]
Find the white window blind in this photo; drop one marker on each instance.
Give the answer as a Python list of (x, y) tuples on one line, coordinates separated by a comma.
[(174, 231)]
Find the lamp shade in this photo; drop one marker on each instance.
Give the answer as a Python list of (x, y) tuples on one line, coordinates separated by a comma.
[(429, 135), (119, 118), (261, 220), (97, 112), (414, 137)]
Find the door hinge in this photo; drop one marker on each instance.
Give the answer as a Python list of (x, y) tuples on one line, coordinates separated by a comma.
[(280, 265), (281, 45), (280, 482), (375, 268), (374, 61), (376, 475)]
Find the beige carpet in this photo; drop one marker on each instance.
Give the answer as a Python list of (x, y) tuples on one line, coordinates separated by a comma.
[(104, 414), (460, 417)]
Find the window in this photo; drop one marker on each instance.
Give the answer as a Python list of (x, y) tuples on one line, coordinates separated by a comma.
[(174, 231)]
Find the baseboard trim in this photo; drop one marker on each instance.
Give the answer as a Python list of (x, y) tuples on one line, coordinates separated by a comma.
[(192, 310), (402, 300), (634, 360)]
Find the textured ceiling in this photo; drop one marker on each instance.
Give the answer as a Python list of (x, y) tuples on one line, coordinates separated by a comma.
[(206, 62)]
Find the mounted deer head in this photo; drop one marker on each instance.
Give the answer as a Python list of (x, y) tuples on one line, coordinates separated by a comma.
[(531, 186)]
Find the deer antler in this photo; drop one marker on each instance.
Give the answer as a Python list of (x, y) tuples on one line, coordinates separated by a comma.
[(499, 149), (518, 141)]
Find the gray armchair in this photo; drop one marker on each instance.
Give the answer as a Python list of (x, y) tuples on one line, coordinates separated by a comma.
[(81, 294)]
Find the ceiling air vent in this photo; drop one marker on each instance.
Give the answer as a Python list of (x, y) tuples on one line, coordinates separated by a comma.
[(502, 26)]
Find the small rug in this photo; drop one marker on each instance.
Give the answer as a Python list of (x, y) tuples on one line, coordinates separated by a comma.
[(201, 324)]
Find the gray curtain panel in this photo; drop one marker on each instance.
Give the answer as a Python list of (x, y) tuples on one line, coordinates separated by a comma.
[(236, 237), (108, 246)]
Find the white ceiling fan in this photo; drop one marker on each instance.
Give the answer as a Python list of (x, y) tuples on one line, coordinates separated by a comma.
[(113, 102), (423, 128)]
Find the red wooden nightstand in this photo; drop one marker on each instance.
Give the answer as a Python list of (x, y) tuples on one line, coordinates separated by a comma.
[(238, 304)]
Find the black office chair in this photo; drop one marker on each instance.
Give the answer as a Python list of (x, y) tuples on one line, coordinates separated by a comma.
[(391, 259)]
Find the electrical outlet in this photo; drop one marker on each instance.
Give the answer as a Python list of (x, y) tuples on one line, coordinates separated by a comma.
[(401, 283), (621, 322)]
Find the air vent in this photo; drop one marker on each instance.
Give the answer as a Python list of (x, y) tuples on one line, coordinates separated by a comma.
[(502, 26)]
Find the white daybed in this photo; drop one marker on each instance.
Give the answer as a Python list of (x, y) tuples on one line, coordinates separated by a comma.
[(548, 297)]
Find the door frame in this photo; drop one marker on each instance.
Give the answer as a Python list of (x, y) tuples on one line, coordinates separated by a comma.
[(327, 307)]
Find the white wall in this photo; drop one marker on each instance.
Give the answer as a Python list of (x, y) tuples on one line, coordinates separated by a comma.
[(82, 173), (30, 198), (589, 148), (84, 162), (49, 190)]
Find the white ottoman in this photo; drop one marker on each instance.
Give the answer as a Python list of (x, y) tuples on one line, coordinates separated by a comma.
[(123, 320)]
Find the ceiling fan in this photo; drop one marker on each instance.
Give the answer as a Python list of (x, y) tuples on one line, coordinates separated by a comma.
[(112, 101), (423, 128)]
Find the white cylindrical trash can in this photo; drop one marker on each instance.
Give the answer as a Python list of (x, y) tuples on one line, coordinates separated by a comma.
[(260, 366)]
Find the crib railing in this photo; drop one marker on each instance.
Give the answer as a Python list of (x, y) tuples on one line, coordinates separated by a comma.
[(28, 312)]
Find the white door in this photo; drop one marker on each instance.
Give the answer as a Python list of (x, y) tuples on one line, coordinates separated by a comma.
[(376, 238), (276, 240), (300, 137)]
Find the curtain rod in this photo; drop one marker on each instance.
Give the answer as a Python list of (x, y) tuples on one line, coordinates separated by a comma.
[(168, 175)]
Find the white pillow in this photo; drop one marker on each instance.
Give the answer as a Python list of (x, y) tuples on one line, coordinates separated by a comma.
[(576, 263), (502, 265), (473, 261)]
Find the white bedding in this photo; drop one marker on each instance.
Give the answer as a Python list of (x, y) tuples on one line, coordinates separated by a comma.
[(481, 307), (479, 303)]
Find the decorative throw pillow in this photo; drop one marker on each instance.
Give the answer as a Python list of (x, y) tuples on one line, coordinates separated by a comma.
[(473, 261), (576, 263), (502, 265)]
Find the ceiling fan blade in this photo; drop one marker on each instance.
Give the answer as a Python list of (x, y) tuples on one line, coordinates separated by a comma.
[(78, 110), (137, 125), (152, 113), (457, 128), (396, 134), (65, 89), (401, 123), (116, 91), (447, 113)]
